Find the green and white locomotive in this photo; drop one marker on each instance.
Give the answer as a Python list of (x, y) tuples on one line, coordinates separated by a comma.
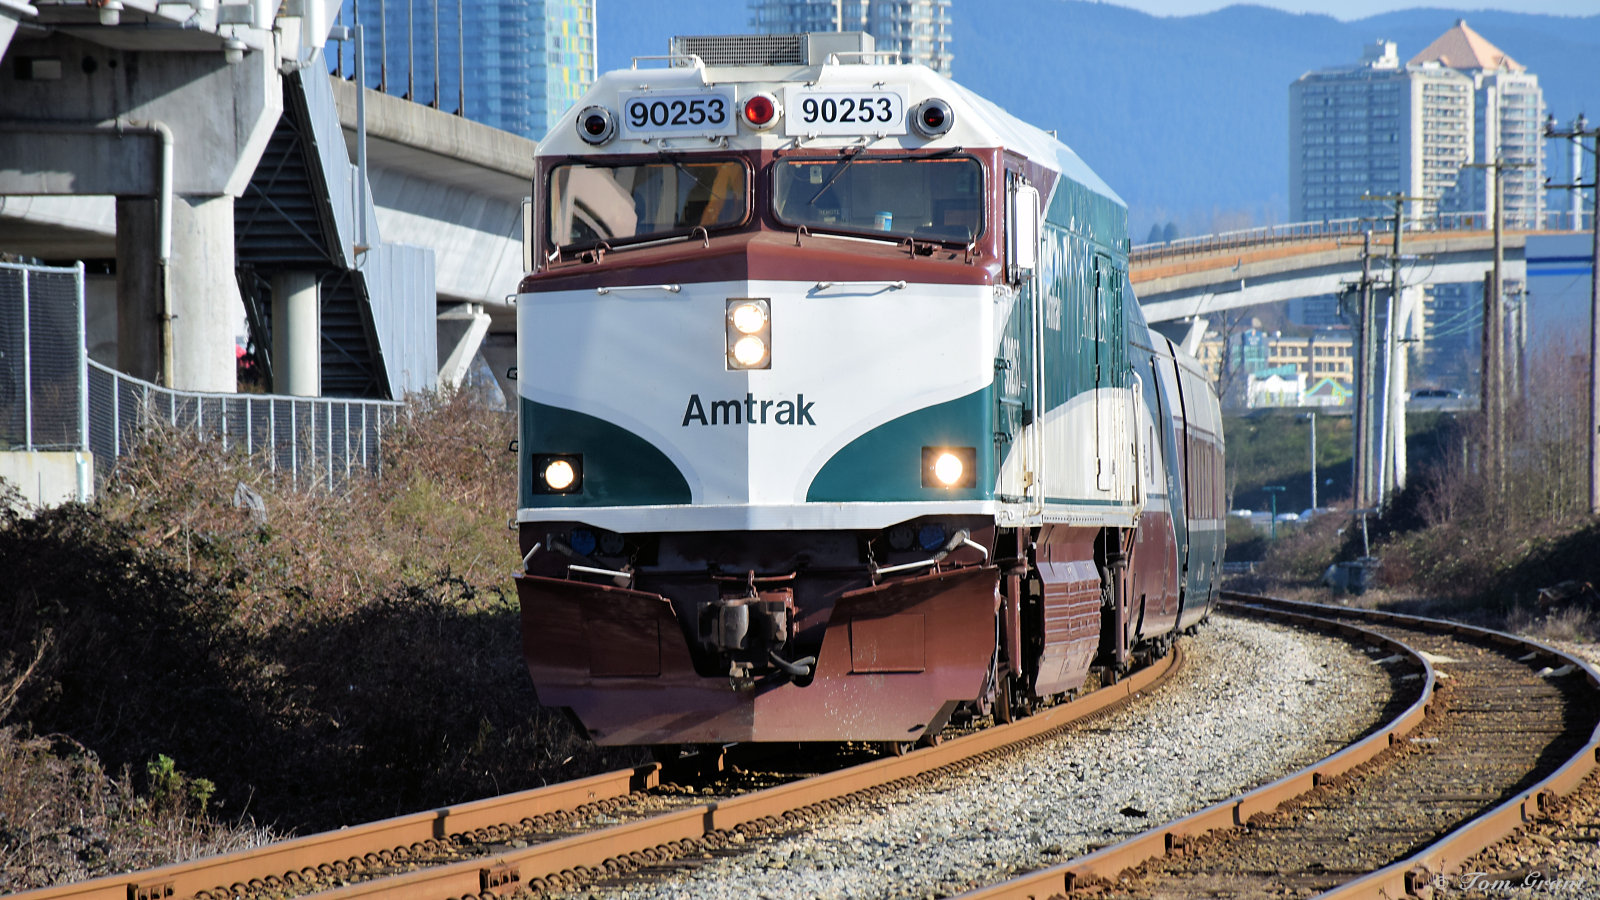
[(839, 418)]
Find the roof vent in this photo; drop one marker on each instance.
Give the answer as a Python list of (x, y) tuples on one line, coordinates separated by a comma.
[(772, 49)]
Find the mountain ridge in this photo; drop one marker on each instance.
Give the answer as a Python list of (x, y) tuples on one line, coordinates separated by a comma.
[(1187, 116)]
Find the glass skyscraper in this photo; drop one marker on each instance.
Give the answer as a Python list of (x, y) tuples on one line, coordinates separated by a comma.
[(516, 65), (916, 29)]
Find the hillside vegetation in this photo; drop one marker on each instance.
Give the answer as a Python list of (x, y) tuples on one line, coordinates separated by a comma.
[(1521, 553)]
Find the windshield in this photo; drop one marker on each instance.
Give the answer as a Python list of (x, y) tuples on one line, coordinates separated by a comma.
[(937, 199), (615, 204)]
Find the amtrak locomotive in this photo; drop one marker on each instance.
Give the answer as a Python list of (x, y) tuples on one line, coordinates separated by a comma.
[(839, 418)]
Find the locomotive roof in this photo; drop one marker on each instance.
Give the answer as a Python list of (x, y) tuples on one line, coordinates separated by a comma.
[(978, 122)]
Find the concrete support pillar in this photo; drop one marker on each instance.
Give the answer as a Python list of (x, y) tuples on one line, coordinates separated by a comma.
[(176, 322), (1198, 326), (296, 334), (140, 287), (204, 292), (461, 331)]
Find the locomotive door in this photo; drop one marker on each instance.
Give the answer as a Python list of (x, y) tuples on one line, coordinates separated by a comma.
[(1017, 381), (1110, 423)]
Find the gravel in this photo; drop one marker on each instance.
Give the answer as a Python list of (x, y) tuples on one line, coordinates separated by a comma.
[(1255, 702), (1555, 856)]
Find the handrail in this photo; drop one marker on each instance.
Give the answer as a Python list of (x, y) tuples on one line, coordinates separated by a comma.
[(1292, 231)]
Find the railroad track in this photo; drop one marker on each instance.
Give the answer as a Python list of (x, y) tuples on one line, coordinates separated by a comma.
[(1502, 727), (569, 834)]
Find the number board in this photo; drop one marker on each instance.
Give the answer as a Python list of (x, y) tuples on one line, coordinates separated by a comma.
[(836, 112), (653, 114)]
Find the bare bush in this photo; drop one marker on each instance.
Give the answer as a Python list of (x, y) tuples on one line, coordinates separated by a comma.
[(317, 658)]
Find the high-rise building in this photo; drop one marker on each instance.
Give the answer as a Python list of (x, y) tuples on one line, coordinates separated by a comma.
[(919, 30), (516, 65), (1508, 124), (1375, 128), (1422, 129)]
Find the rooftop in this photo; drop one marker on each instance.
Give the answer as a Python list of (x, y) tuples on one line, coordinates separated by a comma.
[(1463, 48)]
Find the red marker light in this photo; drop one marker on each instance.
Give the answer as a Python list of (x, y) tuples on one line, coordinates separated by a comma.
[(760, 110), (932, 117), (595, 124)]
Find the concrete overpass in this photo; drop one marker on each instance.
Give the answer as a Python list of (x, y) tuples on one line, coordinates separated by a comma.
[(1201, 276), (255, 202)]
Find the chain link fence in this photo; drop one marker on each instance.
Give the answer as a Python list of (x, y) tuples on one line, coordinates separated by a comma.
[(42, 359), (53, 397)]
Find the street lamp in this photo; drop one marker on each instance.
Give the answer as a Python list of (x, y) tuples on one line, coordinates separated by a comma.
[(1312, 418), (1580, 130)]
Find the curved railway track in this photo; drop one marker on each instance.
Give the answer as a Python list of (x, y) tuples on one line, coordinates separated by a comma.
[(1501, 728), (567, 834), (1497, 729)]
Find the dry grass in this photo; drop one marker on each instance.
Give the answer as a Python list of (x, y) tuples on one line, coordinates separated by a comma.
[(355, 655)]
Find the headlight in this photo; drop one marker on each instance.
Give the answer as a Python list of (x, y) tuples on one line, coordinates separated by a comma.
[(748, 323), (749, 352), (949, 467), (558, 474), (748, 318)]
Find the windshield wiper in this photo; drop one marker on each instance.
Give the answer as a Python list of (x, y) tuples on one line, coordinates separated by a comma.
[(676, 164), (849, 158)]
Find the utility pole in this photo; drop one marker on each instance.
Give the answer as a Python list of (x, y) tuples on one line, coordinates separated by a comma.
[(1363, 423), (1494, 333), (1391, 439), (1580, 130)]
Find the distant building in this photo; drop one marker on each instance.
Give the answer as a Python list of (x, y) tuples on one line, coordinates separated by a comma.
[(1417, 129), (1375, 128), (516, 65), (919, 30), (1508, 125), (1276, 369)]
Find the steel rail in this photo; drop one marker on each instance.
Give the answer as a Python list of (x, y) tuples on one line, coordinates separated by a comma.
[(1407, 877), (241, 872), (665, 836), (240, 868), (1412, 876), (1107, 862)]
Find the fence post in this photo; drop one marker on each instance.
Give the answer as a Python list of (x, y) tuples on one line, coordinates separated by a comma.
[(27, 362), (116, 415), (83, 361)]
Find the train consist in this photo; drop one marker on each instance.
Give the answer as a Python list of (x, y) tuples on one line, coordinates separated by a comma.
[(839, 418)]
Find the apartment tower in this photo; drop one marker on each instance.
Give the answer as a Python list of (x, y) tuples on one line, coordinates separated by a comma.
[(919, 30), (516, 65)]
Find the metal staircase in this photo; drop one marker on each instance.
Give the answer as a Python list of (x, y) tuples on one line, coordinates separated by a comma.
[(300, 213)]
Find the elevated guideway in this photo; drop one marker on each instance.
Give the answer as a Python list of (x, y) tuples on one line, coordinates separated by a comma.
[(1201, 276), (191, 152)]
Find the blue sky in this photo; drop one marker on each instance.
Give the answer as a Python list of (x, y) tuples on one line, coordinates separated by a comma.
[(1347, 10)]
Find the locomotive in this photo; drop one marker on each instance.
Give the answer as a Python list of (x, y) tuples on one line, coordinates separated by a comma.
[(838, 417)]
